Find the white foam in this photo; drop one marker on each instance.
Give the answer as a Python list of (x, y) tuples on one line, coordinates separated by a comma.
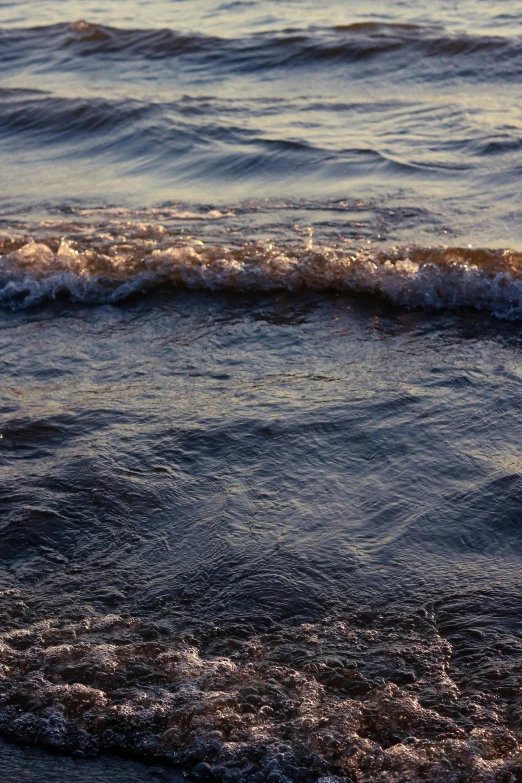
[(251, 718), (108, 267)]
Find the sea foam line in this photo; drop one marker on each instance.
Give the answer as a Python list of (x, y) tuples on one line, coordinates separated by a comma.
[(34, 272)]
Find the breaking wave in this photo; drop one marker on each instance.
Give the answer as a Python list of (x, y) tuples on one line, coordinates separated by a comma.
[(116, 262)]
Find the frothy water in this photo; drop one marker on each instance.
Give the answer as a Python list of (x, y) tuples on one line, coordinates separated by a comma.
[(260, 303), (291, 703), (113, 261)]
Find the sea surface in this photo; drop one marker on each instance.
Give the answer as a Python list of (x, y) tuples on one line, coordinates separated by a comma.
[(261, 391)]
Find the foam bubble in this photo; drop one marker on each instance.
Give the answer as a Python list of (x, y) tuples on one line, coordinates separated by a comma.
[(110, 266), (347, 698)]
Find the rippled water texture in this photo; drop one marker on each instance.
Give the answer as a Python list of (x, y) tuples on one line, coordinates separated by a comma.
[(138, 103), (271, 535), (260, 468)]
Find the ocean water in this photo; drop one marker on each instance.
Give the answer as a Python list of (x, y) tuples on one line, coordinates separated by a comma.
[(261, 348)]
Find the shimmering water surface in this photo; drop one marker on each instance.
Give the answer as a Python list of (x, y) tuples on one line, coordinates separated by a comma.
[(260, 304)]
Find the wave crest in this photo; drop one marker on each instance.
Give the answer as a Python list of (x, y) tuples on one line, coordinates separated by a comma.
[(111, 267), (266, 49)]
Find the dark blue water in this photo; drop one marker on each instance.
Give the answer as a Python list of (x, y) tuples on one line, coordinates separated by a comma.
[(260, 468)]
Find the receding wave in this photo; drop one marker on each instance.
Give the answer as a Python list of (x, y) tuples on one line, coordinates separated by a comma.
[(120, 260), (288, 48)]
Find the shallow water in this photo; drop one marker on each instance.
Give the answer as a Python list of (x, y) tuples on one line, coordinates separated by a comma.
[(260, 302), (29, 764)]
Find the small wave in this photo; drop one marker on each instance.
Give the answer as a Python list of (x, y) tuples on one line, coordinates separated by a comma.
[(62, 117), (122, 260), (17, 92), (133, 128), (212, 139), (291, 48)]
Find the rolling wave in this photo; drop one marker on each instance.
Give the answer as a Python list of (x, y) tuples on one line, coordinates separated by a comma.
[(55, 116), (167, 134), (264, 50), (112, 267), (212, 137)]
